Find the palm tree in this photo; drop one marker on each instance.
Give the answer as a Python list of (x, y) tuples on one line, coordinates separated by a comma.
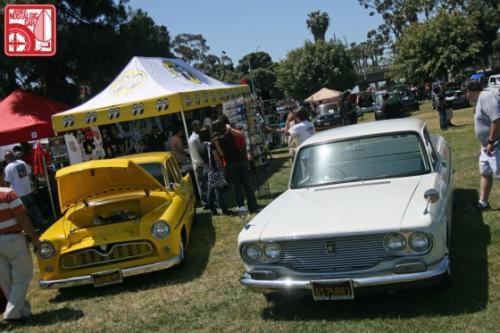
[(318, 23)]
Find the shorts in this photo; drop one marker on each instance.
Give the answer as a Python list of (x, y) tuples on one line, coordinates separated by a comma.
[(489, 165)]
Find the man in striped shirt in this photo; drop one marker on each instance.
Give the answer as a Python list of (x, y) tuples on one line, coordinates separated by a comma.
[(16, 267)]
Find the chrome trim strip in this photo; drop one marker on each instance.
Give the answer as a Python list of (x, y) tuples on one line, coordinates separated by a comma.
[(81, 252), (368, 281), (126, 272)]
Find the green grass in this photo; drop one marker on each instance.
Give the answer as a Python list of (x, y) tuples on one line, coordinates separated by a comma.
[(205, 295)]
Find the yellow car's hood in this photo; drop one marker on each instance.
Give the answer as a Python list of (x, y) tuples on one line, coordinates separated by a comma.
[(85, 180)]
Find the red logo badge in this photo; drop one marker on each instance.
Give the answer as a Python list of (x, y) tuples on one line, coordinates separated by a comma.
[(30, 30)]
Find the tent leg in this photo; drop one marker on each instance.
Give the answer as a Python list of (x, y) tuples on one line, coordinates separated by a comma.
[(190, 154), (49, 187)]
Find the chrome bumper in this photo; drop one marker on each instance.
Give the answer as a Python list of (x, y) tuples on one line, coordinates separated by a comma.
[(291, 283), (126, 272)]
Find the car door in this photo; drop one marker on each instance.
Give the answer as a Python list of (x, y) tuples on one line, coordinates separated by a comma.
[(440, 157)]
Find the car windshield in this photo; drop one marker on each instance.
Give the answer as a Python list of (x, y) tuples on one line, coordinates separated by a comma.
[(375, 157), (327, 109), (154, 169)]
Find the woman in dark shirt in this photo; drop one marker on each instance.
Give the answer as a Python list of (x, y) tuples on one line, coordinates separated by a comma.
[(230, 144)]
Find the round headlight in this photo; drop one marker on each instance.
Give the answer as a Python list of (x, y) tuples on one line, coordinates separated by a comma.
[(420, 242), (160, 230), (272, 251), (252, 252), (47, 250), (395, 242)]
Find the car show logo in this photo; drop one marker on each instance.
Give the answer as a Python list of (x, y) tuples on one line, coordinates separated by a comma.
[(113, 113), (90, 117), (161, 104), (30, 30), (177, 71), (128, 82), (137, 109), (68, 121)]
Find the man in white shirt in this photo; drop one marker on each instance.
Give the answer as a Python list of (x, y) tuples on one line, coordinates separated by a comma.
[(18, 176), (195, 147), (300, 131)]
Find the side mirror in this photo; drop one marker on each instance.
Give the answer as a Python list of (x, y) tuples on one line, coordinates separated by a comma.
[(431, 195), (173, 187)]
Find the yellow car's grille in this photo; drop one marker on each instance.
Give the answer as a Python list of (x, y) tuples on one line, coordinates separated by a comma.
[(105, 254)]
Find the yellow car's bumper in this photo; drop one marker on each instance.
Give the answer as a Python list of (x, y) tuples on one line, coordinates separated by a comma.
[(88, 279)]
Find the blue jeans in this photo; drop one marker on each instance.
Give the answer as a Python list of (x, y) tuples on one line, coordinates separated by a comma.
[(240, 178), (216, 195), (34, 212), (202, 177)]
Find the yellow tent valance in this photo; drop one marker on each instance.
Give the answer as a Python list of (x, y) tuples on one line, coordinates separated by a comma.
[(148, 87)]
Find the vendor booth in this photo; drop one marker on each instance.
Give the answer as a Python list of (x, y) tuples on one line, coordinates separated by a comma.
[(138, 108), (25, 119), (323, 95)]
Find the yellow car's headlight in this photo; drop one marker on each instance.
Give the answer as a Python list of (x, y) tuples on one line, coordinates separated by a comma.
[(47, 250), (160, 230)]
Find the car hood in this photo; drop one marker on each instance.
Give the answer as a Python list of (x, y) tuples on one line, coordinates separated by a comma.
[(334, 210), (85, 180)]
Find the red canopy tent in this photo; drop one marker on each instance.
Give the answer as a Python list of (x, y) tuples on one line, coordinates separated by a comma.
[(25, 116)]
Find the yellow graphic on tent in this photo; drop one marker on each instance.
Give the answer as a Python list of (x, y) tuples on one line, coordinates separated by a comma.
[(128, 82), (178, 71)]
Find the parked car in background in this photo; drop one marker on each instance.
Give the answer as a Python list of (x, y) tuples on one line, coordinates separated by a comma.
[(395, 107), (368, 207), (121, 217), (407, 98), (328, 115), (494, 83), (365, 103), (456, 99)]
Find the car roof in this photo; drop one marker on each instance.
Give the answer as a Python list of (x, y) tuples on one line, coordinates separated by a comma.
[(367, 129)]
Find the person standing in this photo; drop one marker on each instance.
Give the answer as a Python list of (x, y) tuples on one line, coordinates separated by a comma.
[(441, 108), (230, 145), (177, 146), (348, 112), (487, 129), (18, 175), (301, 130), (16, 267), (195, 147)]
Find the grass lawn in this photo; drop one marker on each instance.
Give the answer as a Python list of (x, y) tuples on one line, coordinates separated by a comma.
[(205, 295)]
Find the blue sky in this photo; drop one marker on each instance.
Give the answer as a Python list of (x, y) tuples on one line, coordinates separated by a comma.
[(274, 26)]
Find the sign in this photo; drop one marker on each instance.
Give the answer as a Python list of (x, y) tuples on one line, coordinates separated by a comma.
[(30, 30)]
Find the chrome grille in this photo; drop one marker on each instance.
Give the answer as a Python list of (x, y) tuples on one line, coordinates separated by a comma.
[(115, 252), (346, 253)]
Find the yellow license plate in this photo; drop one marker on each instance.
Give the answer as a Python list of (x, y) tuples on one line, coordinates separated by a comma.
[(332, 291), (107, 278)]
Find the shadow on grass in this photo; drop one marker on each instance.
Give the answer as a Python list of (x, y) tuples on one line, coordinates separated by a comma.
[(467, 294), (201, 243), (45, 318)]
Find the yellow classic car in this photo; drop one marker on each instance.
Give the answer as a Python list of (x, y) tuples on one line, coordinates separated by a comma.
[(121, 217)]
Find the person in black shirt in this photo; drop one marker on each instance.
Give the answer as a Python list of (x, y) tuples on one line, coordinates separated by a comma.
[(230, 145), (441, 108)]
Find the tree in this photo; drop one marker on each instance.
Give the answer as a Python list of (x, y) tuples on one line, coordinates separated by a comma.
[(318, 23), (263, 72), (314, 66), (255, 60), (446, 44), (191, 48)]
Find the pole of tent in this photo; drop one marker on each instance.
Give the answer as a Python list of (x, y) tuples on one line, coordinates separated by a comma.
[(48, 186), (190, 154)]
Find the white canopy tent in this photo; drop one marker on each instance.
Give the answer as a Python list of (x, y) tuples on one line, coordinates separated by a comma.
[(149, 87)]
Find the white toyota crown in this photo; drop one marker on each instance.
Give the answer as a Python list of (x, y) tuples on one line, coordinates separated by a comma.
[(368, 206)]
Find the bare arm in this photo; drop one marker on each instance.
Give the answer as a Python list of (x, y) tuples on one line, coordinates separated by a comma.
[(494, 133)]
